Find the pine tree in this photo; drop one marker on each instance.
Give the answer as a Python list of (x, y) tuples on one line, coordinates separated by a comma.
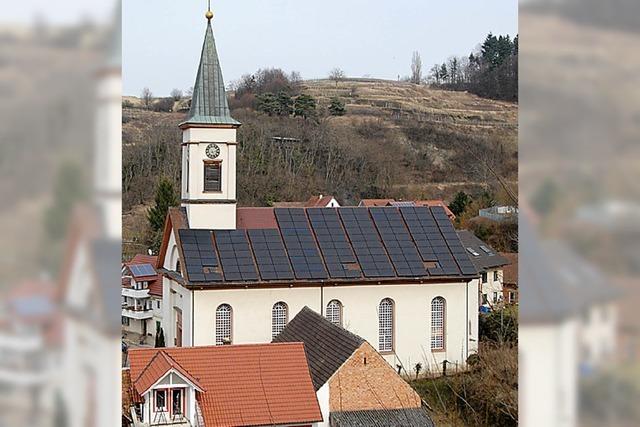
[(305, 106), (165, 198), (160, 339), (284, 104), (460, 203), (268, 103), (337, 107)]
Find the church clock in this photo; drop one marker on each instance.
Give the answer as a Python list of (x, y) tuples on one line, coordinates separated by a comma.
[(213, 151)]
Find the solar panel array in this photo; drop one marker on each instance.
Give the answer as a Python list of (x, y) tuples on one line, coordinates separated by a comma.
[(142, 270), (271, 258), (326, 243), (398, 242), (235, 256), (339, 257), (300, 244), (366, 243), (201, 260), (452, 240)]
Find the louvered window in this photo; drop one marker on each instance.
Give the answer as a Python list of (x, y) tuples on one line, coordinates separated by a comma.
[(213, 176)]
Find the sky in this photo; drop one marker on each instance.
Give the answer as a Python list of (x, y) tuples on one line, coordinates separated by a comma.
[(58, 11), (162, 39)]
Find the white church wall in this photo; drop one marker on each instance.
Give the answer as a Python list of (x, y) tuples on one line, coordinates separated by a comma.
[(219, 216), (412, 328), (176, 296), (251, 311), (252, 316)]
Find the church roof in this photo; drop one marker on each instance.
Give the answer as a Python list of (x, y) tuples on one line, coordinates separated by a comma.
[(209, 104), (319, 245), (327, 345)]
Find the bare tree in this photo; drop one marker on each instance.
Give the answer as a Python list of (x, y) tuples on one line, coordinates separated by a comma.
[(146, 96), (337, 75), (176, 94), (416, 68), (190, 92)]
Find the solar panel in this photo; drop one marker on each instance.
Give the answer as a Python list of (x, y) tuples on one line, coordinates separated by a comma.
[(335, 247), (235, 255), (200, 256), (300, 243), (271, 258), (366, 243), (142, 270), (400, 247), (437, 240)]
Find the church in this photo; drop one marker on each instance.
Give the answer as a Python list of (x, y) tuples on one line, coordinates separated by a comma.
[(397, 276)]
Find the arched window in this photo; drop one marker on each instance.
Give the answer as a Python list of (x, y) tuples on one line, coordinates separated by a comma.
[(224, 315), (385, 325), (279, 318), (437, 323), (334, 312), (178, 269)]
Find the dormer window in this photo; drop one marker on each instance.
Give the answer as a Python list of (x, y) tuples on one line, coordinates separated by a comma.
[(212, 176)]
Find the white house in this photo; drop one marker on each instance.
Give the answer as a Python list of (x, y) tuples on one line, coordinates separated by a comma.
[(89, 375), (141, 297), (490, 264), (396, 276), (567, 328)]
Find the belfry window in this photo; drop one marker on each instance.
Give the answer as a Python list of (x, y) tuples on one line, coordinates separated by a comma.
[(212, 176)]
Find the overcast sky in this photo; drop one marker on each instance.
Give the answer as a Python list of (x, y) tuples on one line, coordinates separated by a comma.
[(162, 39)]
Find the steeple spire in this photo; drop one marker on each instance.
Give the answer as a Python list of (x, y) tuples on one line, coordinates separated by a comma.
[(209, 105)]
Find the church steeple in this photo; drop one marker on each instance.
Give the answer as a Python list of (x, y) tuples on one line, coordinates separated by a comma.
[(209, 147), (209, 104)]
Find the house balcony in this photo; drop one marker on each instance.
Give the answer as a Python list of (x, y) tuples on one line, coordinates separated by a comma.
[(133, 293), (138, 313)]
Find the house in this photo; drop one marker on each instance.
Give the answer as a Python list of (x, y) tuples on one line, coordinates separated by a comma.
[(510, 278), (354, 383), (232, 385), (88, 376), (566, 302), (402, 278), (320, 201), (30, 340), (489, 263), (400, 203), (141, 297)]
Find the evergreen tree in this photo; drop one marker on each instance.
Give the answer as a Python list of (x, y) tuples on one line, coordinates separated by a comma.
[(284, 105), (268, 103), (305, 106), (444, 73), (160, 339), (165, 198), (460, 203), (68, 189), (337, 107)]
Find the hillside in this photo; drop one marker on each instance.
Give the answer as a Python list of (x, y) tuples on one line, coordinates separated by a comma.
[(396, 140)]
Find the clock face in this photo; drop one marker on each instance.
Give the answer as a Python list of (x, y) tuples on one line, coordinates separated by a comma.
[(213, 151)]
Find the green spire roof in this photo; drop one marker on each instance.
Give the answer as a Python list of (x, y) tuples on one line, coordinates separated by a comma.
[(209, 103)]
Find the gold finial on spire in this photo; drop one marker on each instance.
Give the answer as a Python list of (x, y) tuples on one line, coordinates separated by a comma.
[(209, 14)]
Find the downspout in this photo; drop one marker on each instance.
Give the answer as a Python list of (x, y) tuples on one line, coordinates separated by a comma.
[(321, 299), (193, 325), (467, 324)]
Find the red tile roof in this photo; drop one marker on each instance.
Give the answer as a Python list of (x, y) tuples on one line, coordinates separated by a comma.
[(255, 218), (156, 369), (318, 201), (375, 202), (389, 202), (245, 385)]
